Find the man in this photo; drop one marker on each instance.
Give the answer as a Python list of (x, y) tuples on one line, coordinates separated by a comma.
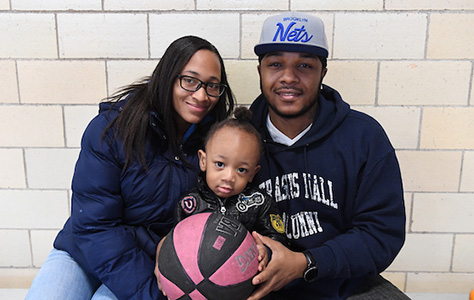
[(332, 171)]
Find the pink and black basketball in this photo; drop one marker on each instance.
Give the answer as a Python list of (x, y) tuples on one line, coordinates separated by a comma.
[(208, 256)]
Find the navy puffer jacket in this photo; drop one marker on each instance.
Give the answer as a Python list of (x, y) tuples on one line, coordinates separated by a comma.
[(119, 215)]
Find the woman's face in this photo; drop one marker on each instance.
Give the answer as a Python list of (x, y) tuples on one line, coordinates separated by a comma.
[(192, 107)]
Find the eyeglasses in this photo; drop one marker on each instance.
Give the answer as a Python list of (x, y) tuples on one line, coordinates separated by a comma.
[(192, 84)]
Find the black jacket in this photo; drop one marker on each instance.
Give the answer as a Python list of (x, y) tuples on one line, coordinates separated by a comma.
[(255, 209)]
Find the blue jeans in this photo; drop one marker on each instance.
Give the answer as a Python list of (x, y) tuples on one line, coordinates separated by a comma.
[(62, 278)]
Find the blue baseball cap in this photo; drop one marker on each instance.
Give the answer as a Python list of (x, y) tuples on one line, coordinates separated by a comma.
[(293, 32)]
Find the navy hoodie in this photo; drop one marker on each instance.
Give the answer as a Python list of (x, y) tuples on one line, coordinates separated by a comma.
[(340, 193)]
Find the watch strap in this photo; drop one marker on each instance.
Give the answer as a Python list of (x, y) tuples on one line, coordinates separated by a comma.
[(311, 272), (309, 258)]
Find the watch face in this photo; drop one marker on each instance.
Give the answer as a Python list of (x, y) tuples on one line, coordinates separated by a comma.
[(310, 274)]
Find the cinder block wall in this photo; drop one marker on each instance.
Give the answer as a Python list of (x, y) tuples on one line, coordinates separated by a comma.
[(407, 63)]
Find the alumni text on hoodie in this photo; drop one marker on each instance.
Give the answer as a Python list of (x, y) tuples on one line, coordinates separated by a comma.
[(340, 193)]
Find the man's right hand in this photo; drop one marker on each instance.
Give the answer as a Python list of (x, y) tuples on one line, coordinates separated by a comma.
[(284, 267)]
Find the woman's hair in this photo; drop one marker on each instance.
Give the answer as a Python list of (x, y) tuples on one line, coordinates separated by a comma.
[(240, 120), (155, 94)]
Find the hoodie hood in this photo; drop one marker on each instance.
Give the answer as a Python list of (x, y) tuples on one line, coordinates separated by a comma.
[(332, 110)]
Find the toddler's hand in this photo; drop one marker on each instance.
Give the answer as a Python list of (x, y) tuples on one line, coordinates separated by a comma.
[(263, 253)]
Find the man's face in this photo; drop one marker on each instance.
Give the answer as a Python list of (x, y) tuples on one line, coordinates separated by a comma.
[(290, 82)]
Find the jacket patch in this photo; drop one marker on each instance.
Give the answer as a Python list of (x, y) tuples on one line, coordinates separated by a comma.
[(189, 204), (245, 202), (277, 223)]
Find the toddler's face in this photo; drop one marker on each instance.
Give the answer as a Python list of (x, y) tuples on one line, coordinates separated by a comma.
[(230, 161)]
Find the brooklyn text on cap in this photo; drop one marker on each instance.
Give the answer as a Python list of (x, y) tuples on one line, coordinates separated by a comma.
[(293, 32)]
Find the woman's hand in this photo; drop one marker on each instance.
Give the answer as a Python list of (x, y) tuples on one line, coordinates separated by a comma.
[(284, 267)]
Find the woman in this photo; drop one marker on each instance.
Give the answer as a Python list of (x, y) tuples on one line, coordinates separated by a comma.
[(137, 157)]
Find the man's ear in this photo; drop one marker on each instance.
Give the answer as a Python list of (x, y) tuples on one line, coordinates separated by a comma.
[(324, 73), (202, 160)]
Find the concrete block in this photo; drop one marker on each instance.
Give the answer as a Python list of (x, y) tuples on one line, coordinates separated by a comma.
[(90, 35), (12, 169), (62, 82), (242, 5), (50, 168), (76, 119), (447, 128), (33, 209), (5, 4), (31, 126), (244, 80), (467, 178), (149, 5), (336, 5), (428, 5), (165, 28), (354, 80), (17, 253), (379, 36), (11, 279), (41, 245), (121, 73), (28, 36), (435, 212), (451, 35), (405, 83), (421, 174), (8, 82), (424, 252), (463, 260), (75, 5)]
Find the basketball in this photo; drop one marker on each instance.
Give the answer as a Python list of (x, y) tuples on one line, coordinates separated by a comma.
[(208, 256)]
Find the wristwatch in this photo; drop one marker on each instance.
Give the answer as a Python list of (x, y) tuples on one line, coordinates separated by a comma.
[(311, 272)]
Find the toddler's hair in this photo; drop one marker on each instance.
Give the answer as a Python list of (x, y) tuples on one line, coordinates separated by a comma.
[(240, 120)]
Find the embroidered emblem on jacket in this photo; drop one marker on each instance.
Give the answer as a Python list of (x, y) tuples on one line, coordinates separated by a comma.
[(188, 204), (277, 223), (245, 202)]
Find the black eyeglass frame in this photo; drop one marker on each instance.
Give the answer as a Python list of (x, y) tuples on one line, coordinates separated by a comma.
[(201, 84)]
